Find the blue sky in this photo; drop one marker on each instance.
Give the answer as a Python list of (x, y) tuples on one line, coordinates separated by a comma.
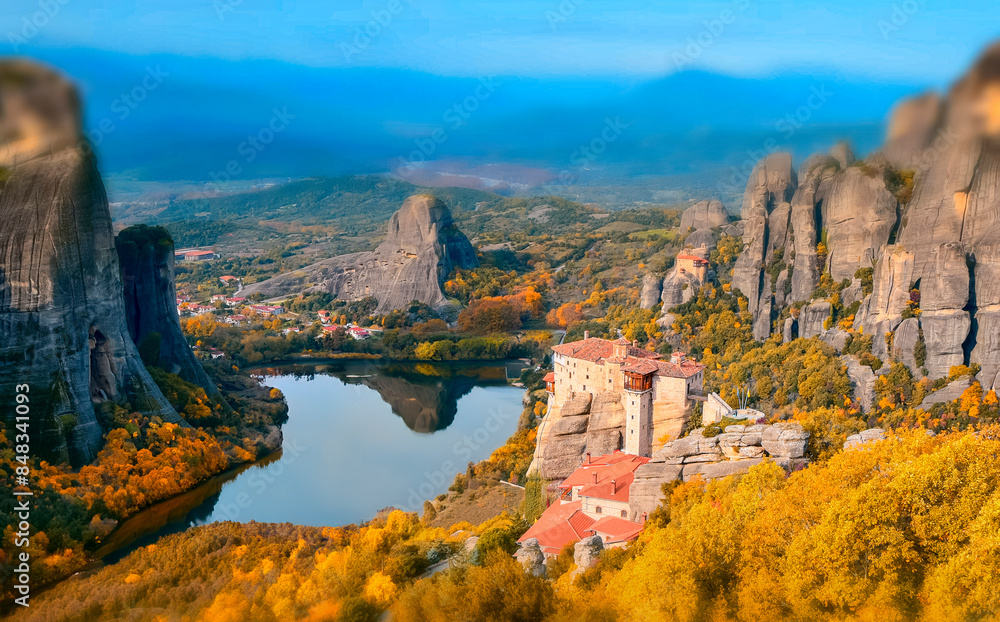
[(915, 41)]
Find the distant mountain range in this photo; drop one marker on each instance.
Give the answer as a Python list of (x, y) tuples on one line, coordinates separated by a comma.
[(171, 118)]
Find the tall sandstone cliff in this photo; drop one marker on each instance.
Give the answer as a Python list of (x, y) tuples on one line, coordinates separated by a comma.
[(146, 255), (943, 238), (422, 247), (63, 327)]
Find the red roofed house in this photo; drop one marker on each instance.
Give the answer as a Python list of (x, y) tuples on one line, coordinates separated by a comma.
[(693, 264), (595, 501), (657, 395)]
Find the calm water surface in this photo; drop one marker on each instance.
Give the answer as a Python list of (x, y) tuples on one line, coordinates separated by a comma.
[(360, 437)]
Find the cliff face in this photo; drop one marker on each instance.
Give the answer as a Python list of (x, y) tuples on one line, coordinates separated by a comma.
[(62, 318), (423, 245), (943, 238), (146, 255)]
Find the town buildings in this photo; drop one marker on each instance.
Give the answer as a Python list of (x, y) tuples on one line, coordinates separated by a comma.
[(650, 389), (594, 500)]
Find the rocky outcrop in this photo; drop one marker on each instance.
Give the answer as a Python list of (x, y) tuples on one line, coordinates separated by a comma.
[(867, 436), (679, 286), (652, 288), (568, 432), (735, 451), (529, 554), (422, 247), (704, 215), (587, 551), (701, 221), (813, 317), (63, 328), (858, 213), (912, 126), (948, 393), (945, 323), (769, 189), (806, 265), (146, 256), (956, 198), (862, 380)]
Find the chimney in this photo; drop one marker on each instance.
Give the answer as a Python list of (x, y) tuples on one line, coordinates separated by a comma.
[(588, 457), (677, 358), (586, 334), (614, 486), (595, 477), (635, 343)]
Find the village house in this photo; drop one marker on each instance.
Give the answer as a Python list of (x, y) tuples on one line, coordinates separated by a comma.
[(650, 388), (228, 280), (235, 301), (358, 333), (194, 254), (266, 310), (594, 500), (693, 265)]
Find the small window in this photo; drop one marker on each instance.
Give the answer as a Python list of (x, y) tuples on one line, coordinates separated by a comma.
[(598, 510), (624, 513), (588, 376)]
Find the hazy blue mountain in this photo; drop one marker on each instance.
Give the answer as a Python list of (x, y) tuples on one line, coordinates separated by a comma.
[(197, 114)]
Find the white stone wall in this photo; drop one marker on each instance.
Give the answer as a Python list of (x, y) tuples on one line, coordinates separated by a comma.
[(577, 376), (589, 507)]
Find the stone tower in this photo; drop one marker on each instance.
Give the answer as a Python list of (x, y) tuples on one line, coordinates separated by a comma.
[(637, 396)]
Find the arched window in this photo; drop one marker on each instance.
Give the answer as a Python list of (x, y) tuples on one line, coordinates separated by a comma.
[(598, 510), (624, 513)]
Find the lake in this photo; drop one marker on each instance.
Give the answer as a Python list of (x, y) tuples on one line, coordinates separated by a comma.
[(360, 436)]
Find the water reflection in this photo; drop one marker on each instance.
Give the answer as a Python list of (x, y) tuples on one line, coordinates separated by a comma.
[(424, 395), (345, 455)]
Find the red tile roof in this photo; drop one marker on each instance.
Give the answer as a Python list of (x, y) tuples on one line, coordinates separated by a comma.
[(559, 525), (684, 369), (640, 366), (613, 487), (616, 529), (595, 349), (694, 258), (549, 377), (606, 468)]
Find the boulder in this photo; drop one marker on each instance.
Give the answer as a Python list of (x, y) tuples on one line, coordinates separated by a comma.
[(529, 554), (646, 492), (716, 470), (948, 393), (788, 440), (587, 551), (866, 436)]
